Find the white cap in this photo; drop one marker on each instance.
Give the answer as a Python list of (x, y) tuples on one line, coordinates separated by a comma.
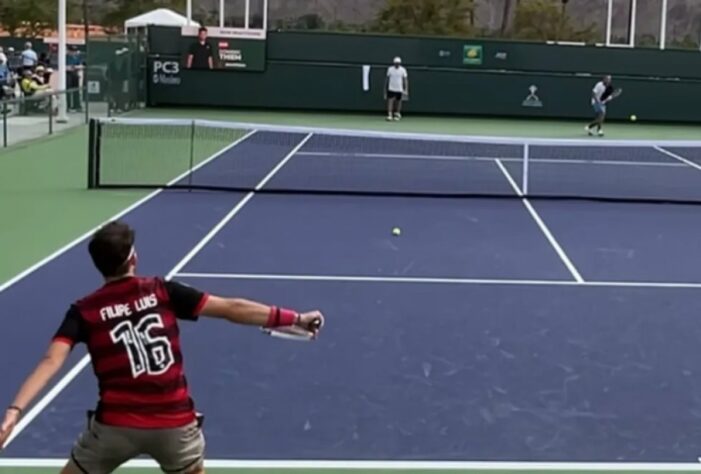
[(397, 60)]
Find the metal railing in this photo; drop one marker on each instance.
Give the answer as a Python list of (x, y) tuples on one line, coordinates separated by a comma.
[(29, 117)]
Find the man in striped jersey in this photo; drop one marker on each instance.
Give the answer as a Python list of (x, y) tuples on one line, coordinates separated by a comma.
[(130, 327)]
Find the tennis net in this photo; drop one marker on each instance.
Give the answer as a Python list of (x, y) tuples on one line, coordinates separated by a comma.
[(202, 154)]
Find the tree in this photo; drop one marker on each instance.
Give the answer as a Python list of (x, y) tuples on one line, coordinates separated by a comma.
[(423, 17), (28, 17), (11, 16), (687, 42), (311, 21), (548, 20)]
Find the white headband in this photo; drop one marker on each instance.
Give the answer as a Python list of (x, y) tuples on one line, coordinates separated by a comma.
[(132, 251)]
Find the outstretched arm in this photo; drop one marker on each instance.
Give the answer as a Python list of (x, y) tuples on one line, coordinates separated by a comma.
[(49, 365), (189, 303), (241, 311)]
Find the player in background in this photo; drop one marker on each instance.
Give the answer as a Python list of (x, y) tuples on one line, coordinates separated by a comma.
[(130, 327), (600, 96), (396, 89)]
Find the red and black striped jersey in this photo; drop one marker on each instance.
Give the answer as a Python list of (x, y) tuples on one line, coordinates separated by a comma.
[(131, 331)]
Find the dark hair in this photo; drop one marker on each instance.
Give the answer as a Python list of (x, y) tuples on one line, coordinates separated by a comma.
[(110, 248), (202, 28)]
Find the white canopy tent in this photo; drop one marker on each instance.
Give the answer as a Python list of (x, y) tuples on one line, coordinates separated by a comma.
[(159, 17)]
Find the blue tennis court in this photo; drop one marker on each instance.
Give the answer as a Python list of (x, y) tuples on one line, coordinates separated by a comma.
[(504, 330)]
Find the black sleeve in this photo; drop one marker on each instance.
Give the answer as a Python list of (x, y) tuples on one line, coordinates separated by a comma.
[(193, 48), (72, 328), (186, 301)]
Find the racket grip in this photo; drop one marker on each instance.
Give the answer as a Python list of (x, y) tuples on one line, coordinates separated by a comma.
[(315, 325)]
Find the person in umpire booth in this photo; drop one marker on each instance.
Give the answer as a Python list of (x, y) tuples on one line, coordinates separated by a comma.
[(200, 55)]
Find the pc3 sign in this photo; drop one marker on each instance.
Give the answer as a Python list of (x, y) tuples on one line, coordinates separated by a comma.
[(166, 72)]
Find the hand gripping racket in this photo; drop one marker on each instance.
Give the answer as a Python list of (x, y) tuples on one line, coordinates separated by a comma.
[(614, 95), (294, 333)]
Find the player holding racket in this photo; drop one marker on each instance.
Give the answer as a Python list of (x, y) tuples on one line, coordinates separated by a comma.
[(602, 94), (131, 331)]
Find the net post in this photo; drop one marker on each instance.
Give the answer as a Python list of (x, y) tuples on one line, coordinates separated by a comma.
[(526, 159), (192, 153), (92, 139)]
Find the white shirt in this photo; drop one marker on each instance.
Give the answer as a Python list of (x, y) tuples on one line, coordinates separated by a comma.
[(396, 77), (3, 58), (598, 91), (29, 58)]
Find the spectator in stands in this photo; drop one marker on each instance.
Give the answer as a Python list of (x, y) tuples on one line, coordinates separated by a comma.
[(200, 53), (39, 74), (7, 80), (29, 57), (74, 64), (31, 87), (44, 60), (43, 75), (4, 80), (12, 59)]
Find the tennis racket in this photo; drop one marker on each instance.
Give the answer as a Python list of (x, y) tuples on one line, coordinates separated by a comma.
[(294, 333), (615, 94)]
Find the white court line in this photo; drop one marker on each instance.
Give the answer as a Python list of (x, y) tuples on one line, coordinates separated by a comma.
[(541, 224), (46, 400), (439, 280), (679, 158), (49, 397), (215, 230), (490, 159), (122, 213), (465, 466)]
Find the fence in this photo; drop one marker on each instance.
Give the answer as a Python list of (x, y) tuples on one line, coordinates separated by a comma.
[(27, 118), (111, 83)]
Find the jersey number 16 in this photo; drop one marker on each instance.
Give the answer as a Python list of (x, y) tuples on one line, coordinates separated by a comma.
[(148, 354)]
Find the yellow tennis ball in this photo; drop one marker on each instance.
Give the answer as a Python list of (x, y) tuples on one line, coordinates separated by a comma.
[(633, 118), (397, 231)]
